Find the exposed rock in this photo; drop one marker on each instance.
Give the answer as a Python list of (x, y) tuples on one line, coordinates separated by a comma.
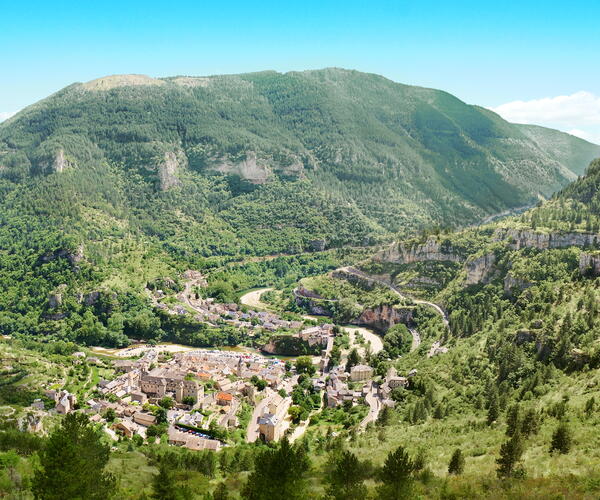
[(589, 264), (317, 245), (512, 283), (431, 250), (89, 299), (62, 253), (251, 168), (60, 162), (531, 239), (115, 81), (480, 270), (55, 299), (524, 336), (384, 317), (168, 169)]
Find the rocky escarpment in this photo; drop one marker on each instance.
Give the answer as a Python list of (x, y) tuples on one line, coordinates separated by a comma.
[(384, 317), (589, 264), (287, 345), (431, 250), (481, 269), (378, 318), (512, 283), (519, 238), (169, 168)]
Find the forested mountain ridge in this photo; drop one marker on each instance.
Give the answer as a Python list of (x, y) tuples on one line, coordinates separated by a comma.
[(399, 154), (113, 183)]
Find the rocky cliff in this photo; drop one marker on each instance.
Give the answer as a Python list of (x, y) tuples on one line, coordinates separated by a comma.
[(589, 264), (384, 317), (518, 238), (431, 250), (481, 269)]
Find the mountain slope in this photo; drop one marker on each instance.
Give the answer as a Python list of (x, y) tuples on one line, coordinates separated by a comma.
[(402, 155), (137, 178)]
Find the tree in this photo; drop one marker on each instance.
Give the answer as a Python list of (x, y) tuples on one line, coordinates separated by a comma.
[(221, 492), (73, 462), (457, 463), (396, 475), (510, 455), (353, 359), (304, 364), (279, 474), (590, 405), (346, 478), (493, 411), (561, 439), (163, 483), (530, 424), (161, 415), (345, 310), (512, 420), (166, 402)]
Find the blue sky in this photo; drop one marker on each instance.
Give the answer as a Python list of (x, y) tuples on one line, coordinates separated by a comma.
[(528, 53)]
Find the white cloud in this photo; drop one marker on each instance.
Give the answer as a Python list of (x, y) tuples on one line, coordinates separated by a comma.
[(5, 115), (578, 113)]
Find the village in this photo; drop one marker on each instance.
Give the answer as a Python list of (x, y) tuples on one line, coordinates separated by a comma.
[(200, 397)]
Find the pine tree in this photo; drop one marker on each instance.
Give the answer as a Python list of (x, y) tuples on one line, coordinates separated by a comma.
[(512, 420), (457, 462), (396, 475), (530, 424), (510, 455), (279, 474), (163, 483), (73, 463), (561, 439), (493, 411), (346, 478)]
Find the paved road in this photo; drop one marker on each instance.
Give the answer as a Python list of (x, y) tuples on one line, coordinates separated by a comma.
[(374, 406), (252, 298), (252, 429)]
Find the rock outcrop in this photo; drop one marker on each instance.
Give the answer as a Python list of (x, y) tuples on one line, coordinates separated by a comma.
[(511, 284), (431, 250), (168, 169), (518, 238), (481, 269), (384, 317), (589, 264)]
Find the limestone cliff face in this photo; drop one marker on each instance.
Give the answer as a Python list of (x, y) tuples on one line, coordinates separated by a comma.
[(518, 238), (384, 317), (168, 169), (481, 269), (589, 264), (512, 283), (431, 250)]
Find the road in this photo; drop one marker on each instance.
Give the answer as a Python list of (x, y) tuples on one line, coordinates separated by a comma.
[(252, 298), (252, 429), (374, 406)]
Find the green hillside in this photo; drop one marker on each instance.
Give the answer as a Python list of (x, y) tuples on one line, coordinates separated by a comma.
[(110, 184)]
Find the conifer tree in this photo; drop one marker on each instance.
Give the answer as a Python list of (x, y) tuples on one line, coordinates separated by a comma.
[(510, 455), (457, 462), (561, 439), (73, 463)]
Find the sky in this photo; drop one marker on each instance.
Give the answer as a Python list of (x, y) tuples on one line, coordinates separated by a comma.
[(531, 61)]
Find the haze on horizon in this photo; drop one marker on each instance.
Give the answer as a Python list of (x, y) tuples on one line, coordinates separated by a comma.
[(529, 62)]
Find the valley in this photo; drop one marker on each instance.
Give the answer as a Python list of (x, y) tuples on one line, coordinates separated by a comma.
[(224, 272)]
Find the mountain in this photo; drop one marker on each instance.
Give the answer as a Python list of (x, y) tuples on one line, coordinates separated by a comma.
[(110, 184), (397, 155)]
